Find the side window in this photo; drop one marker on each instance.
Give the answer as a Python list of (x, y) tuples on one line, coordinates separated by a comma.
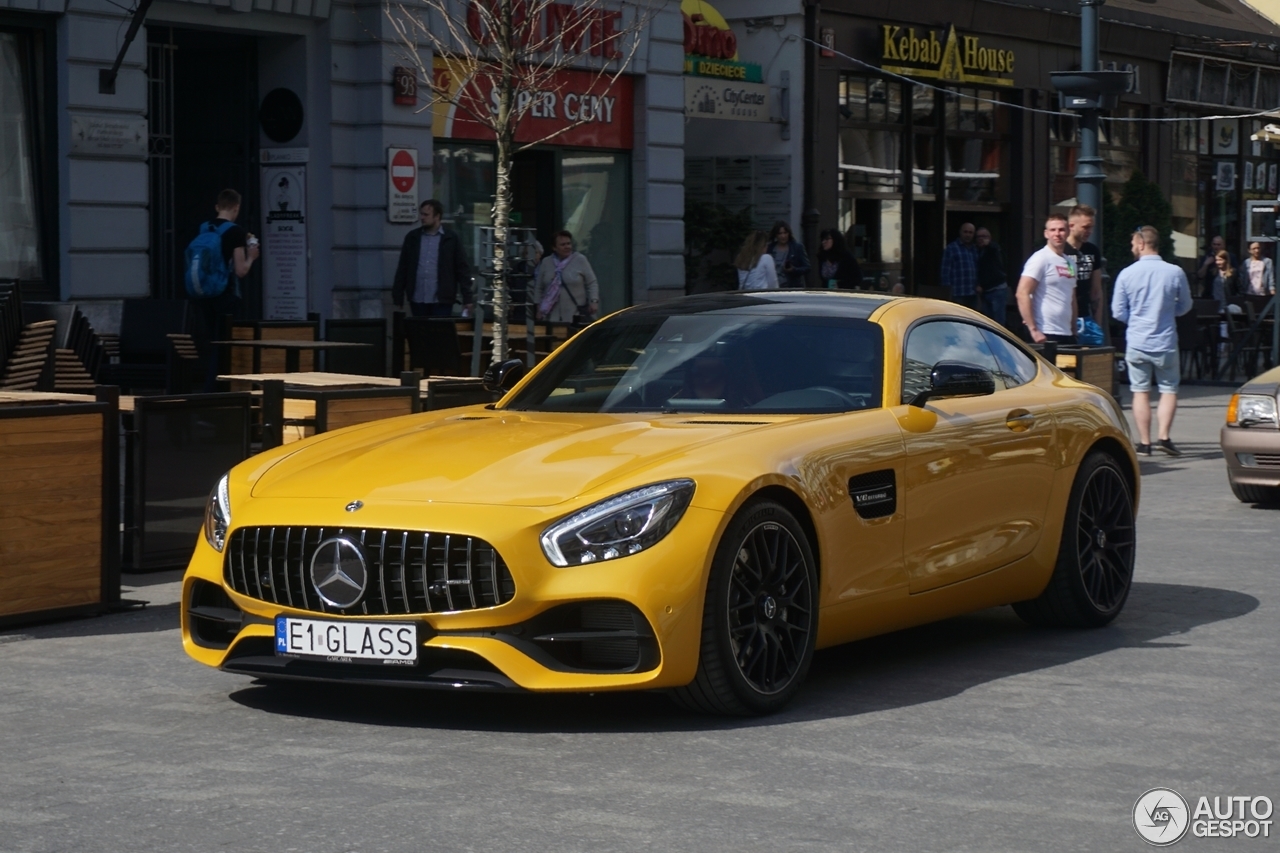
[(941, 340), (1016, 367)]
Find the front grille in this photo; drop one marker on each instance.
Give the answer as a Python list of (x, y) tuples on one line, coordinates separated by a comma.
[(1267, 460), (409, 571)]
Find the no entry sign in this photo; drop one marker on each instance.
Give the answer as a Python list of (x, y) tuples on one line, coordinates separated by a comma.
[(402, 185)]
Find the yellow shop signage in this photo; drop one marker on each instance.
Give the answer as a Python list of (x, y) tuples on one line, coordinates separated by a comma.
[(950, 56)]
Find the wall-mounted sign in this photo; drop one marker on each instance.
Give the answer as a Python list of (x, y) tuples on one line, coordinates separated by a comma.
[(577, 108), (109, 135), (760, 183), (284, 242), (710, 45), (945, 56), (284, 155), (402, 185), (827, 35), (404, 86), (725, 100)]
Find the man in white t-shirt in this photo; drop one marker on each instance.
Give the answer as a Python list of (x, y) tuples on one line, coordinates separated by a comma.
[(1047, 289)]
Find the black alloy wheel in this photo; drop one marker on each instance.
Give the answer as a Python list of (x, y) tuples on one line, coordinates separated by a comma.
[(1094, 572), (760, 617)]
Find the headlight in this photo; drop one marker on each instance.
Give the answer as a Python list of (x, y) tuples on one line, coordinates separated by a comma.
[(618, 527), (1252, 410), (217, 515)]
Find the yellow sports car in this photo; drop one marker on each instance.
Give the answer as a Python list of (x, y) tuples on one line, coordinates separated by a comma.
[(691, 495)]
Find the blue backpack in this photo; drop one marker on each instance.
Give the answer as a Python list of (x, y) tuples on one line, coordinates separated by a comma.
[(207, 273)]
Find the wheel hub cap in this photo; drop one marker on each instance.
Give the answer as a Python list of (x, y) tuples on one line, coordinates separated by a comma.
[(1100, 538), (769, 607)]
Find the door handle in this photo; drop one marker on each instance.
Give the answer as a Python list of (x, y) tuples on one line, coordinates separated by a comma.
[(1020, 420)]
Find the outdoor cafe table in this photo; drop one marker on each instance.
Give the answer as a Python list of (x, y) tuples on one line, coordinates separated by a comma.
[(292, 350), (427, 386)]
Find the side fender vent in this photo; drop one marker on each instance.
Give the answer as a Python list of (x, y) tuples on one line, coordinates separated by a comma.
[(874, 494)]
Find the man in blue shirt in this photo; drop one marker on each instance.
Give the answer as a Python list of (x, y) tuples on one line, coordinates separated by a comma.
[(1149, 296), (960, 268), (432, 271)]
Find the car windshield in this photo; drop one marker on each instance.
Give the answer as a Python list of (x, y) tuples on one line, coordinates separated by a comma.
[(709, 362)]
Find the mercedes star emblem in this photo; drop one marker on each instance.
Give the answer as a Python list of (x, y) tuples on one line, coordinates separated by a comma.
[(354, 505), (338, 572)]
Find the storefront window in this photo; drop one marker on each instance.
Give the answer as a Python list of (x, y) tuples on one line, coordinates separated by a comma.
[(594, 200), (19, 210), (874, 232), (1120, 145), (464, 182), (975, 152), (1183, 186), (869, 160)]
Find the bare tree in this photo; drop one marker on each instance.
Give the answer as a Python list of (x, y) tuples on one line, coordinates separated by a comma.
[(500, 61)]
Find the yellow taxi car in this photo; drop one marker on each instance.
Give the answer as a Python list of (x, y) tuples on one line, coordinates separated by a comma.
[(692, 495)]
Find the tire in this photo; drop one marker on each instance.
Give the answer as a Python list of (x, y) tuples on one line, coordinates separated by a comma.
[(1255, 494), (1094, 571), (760, 617)]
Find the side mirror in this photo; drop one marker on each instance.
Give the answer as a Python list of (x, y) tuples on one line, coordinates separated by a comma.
[(957, 379), (503, 377)]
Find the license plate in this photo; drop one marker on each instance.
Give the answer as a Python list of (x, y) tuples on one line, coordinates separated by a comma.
[(390, 643)]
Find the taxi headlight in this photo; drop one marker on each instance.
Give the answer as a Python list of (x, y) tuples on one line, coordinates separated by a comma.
[(619, 526), (1256, 410), (217, 515)]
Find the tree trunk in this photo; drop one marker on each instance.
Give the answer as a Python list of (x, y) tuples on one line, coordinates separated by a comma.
[(501, 222)]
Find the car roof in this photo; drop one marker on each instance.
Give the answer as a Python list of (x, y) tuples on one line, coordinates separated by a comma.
[(798, 303)]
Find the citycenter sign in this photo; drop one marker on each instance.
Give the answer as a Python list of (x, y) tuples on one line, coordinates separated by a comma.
[(953, 58)]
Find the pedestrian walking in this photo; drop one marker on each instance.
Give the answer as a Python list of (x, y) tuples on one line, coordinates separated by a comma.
[(756, 269), (1088, 262), (1259, 273), (432, 271), (1047, 288), (790, 260), (565, 287), (238, 250), (837, 267), (960, 267), (993, 283), (1150, 294)]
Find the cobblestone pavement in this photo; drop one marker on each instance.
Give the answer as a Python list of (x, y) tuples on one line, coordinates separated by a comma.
[(974, 734)]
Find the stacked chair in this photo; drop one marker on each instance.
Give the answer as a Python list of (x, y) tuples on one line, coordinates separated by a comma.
[(27, 352), (78, 352)]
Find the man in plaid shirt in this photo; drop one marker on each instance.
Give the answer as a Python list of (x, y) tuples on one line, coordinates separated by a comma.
[(960, 268)]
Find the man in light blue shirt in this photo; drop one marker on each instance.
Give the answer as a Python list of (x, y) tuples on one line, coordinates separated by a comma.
[(1149, 296)]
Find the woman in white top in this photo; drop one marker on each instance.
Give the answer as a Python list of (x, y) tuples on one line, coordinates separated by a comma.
[(1259, 275), (756, 270)]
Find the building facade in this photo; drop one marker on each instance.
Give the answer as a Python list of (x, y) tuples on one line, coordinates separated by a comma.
[(293, 104), (930, 114)]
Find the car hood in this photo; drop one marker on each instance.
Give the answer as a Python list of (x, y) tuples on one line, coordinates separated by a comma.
[(484, 457)]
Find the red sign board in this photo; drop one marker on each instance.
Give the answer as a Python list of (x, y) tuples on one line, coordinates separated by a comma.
[(404, 86), (575, 108), (404, 172)]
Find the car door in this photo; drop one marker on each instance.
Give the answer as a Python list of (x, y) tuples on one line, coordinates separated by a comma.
[(978, 469)]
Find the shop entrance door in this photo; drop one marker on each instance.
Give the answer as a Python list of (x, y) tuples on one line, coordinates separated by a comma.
[(203, 139)]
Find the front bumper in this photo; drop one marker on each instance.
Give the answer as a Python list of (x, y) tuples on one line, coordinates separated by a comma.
[(653, 599), (1260, 447)]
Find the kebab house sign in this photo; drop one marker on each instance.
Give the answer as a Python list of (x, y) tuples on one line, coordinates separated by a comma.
[(944, 55), (577, 108)]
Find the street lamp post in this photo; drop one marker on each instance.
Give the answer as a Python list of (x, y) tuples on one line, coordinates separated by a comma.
[(1088, 92)]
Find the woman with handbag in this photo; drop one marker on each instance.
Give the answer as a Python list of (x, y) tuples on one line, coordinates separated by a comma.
[(565, 287)]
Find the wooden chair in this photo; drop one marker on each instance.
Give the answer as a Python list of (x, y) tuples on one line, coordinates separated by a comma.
[(145, 325), (371, 361)]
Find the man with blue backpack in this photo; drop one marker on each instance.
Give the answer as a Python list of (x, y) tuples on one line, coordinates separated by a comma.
[(219, 256)]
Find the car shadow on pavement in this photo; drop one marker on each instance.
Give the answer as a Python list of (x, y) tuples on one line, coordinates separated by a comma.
[(896, 670)]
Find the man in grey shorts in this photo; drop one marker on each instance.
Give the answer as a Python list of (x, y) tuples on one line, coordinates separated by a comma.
[(1149, 295)]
